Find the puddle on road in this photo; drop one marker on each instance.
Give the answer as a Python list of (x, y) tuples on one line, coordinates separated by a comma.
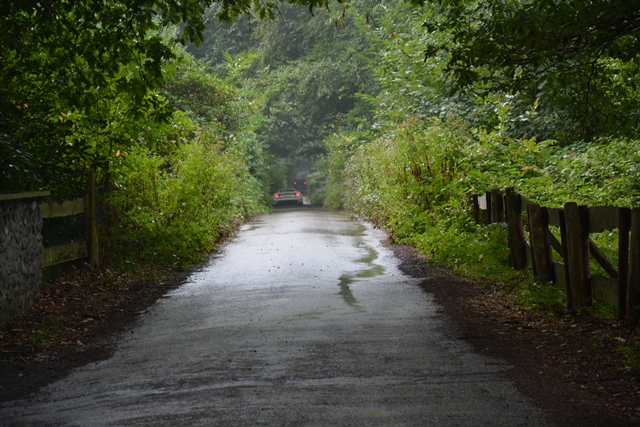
[(371, 256), (347, 279), (347, 295), (377, 270)]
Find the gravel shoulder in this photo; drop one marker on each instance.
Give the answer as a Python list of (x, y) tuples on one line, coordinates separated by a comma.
[(570, 366)]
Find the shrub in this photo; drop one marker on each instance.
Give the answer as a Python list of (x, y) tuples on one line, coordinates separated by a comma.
[(416, 182), (177, 208)]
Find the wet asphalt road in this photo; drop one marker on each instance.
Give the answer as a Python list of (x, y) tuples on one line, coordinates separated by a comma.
[(304, 319)]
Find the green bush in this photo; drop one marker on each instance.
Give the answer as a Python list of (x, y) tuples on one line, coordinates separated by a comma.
[(176, 209), (416, 182)]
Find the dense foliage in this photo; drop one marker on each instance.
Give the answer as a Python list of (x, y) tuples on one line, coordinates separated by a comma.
[(179, 209), (302, 72), (106, 87), (460, 112), (183, 187), (576, 60), (78, 80), (420, 175), (399, 109)]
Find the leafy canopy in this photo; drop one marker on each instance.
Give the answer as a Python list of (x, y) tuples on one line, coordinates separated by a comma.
[(69, 70), (579, 58)]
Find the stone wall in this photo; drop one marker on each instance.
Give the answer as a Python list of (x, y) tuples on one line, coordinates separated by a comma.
[(20, 255)]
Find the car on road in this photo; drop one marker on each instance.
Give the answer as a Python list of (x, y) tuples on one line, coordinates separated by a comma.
[(287, 196), (300, 185)]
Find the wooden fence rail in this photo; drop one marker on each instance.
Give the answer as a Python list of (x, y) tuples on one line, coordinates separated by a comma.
[(621, 286), (76, 249)]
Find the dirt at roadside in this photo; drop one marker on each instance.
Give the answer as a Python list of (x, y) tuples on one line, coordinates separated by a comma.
[(75, 322), (570, 366)]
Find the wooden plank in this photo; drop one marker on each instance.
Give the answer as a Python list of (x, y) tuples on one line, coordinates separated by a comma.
[(558, 269), (623, 260), (24, 195), (577, 254), (603, 218), (602, 259), (555, 244), (633, 284), (500, 205), (496, 206), (482, 202), (476, 208), (540, 245), (517, 250), (564, 240), (54, 255), (605, 289), (489, 206), (553, 216), (94, 259), (52, 209)]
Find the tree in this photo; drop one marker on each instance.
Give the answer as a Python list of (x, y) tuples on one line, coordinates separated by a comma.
[(65, 63), (567, 55), (220, 38), (306, 78)]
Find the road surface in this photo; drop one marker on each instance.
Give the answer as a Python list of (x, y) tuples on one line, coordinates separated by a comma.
[(303, 319)]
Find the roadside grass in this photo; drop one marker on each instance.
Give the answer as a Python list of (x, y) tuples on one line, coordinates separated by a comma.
[(631, 355), (482, 256)]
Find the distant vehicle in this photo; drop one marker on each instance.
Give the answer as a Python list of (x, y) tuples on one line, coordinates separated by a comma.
[(300, 185), (300, 182), (287, 196)]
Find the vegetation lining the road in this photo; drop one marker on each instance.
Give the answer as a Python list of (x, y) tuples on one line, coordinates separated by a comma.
[(403, 111), (416, 182), (458, 111)]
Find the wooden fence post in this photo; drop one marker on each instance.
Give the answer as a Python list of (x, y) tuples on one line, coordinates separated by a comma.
[(94, 260), (489, 202), (576, 220), (624, 227), (476, 208), (633, 284), (496, 206), (517, 246), (540, 244), (564, 240)]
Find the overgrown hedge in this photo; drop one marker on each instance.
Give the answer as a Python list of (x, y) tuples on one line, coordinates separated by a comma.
[(185, 184), (177, 209)]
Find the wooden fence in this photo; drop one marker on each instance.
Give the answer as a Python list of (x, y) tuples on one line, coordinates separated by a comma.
[(77, 249), (621, 286)]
